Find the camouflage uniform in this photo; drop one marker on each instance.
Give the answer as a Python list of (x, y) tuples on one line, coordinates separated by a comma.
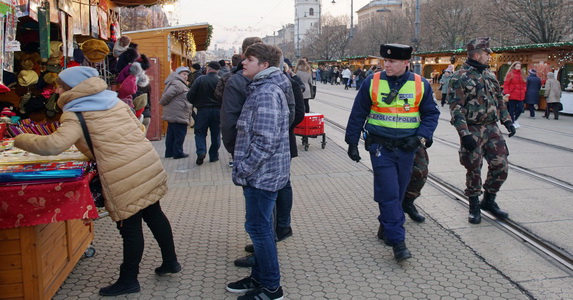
[(476, 104), (419, 174)]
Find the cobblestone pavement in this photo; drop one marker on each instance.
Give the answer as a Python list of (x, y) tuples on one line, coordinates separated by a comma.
[(333, 253)]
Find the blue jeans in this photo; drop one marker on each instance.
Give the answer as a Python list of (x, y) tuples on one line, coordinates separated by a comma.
[(284, 205), (208, 119), (259, 226), (392, 172), (174, 139)]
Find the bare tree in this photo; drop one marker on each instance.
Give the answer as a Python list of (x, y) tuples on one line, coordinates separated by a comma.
[(388, 28), (330, 43), (539, 21), (449, 23)]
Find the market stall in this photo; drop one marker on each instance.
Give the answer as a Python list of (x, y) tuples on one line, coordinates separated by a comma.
[(42, 236)]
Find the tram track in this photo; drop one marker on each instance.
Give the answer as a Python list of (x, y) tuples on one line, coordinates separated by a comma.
[(559, 256)]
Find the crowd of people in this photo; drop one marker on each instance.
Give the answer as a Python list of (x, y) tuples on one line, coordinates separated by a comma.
[(252, 107)]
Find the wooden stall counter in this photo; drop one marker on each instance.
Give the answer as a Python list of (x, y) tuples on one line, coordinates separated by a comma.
[(35, 260), (42, 236)]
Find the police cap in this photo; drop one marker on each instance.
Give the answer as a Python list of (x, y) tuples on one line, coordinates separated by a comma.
[(396, 51), (479, 43)]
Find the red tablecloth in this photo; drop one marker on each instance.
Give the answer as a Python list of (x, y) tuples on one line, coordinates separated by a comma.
[(33, 204)]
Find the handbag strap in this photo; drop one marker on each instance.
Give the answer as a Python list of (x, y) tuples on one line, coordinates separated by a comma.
[(86, 131)]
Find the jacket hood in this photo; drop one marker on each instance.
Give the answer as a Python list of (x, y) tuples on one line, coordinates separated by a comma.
[(90, 95), (174, 77)]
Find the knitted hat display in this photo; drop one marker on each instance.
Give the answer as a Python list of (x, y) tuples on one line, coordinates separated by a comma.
[(55, 53), (74, 76), (140, 101), (7, 112), (3, 88), (23, 101), (50, 78), (95, 50), (27, 64), (27, 77)]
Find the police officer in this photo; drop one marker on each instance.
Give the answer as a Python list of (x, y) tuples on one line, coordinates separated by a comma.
[(476, 106), (417, 182), (396, 110)]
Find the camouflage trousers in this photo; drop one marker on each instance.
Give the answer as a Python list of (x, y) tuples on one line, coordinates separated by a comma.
[(492, 147), (419, 174)]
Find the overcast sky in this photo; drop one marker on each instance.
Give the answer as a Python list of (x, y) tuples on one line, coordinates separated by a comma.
[(234, 20)]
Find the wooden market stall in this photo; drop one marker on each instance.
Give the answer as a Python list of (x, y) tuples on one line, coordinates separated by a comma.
[(544, 58), (167, 49), (42, 236)]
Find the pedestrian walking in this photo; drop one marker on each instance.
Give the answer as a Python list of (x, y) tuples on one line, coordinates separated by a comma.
[(552, 96), (202, 96), (262, 165), (132, 176), (532, 88), (514, 89), (346, 74), (396, 110), (303, 71), (176, 111), (445, 84), (476, 106)]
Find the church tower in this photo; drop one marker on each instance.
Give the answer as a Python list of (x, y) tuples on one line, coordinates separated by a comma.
[(306, 16)]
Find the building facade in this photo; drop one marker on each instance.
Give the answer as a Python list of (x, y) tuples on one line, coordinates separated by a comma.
[(306, 16)]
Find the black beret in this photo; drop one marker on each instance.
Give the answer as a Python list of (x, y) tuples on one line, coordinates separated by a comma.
[(214, 65), (396, 51)]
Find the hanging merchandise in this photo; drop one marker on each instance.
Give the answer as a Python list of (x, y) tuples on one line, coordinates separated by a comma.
[(95, 50), (22, 8), (94, 24), (11, 44)]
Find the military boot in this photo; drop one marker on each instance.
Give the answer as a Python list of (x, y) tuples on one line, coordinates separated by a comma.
[(475, 213), (401, 252), (410, 209), (382, 236), (488, 204)]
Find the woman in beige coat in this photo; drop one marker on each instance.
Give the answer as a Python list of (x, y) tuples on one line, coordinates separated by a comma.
[(553, 95), (131, 173), (304, 72)]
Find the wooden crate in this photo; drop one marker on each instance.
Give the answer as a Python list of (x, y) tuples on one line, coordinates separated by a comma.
[(35, 260)]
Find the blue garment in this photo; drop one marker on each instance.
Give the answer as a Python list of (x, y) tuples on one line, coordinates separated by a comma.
[(392, 171), (259, 225), (174, 139), (262, 155), (103, 100), (208, 118), (532, 87)]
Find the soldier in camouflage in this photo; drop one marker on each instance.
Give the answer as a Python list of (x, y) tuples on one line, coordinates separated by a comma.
[(476, 103), (417, 182)]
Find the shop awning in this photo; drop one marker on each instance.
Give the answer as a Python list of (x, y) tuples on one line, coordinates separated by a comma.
[(200, 32)]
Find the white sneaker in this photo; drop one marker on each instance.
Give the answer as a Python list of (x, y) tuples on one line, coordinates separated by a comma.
[(516, 124)]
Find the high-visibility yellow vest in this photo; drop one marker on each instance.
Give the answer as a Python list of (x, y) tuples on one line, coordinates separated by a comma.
[(404, 111)]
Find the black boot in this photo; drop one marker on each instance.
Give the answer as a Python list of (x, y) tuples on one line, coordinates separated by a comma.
[(168, 268), (401, 252), (382, 236), (488, 204), (475, 213), (410, 209), (126, 284)]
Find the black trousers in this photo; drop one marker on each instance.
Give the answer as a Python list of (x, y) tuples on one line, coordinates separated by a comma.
[(132, 233)]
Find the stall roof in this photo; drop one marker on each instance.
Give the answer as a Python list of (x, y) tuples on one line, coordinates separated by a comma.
[(136, 2), (517, 48), (201, 33)]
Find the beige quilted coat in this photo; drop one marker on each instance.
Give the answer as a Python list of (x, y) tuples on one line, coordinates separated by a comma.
[(131, 172)]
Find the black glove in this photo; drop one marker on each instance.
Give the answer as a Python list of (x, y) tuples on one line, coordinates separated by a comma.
[(469, 143), (510, 128), (429, 143), (412, 143), (353, 153)]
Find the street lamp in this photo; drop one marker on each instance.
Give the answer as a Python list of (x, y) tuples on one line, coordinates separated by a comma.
[(351, 17)]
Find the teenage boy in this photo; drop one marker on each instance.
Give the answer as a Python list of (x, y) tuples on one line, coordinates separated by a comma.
[(262, 164)]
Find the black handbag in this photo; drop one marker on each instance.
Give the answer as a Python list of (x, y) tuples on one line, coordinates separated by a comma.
[(559, 106), (96, 188)]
